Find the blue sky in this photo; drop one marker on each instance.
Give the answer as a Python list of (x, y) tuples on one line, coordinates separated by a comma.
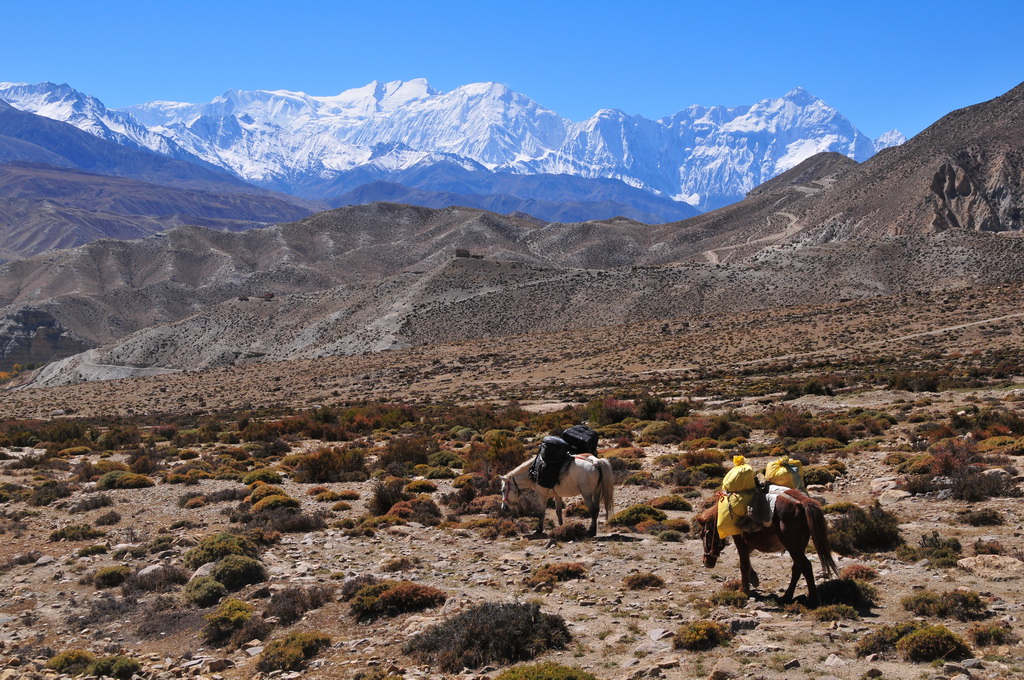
[(883, 64)]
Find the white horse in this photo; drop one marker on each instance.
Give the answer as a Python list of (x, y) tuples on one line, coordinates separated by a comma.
[(587, 476)]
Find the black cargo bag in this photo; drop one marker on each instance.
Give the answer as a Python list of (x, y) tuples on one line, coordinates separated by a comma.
[(547, 466), (582, 439)]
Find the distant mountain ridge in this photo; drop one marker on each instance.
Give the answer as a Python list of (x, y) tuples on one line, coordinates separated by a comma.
[(322, 147)]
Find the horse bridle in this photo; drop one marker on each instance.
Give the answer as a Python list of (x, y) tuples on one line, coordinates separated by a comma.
[(504, 495), (713, 545)]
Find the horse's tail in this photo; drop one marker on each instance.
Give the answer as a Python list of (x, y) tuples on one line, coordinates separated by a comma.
[(605, 487), (819, 534)]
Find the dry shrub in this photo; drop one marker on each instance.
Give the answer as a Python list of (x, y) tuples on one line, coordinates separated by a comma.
[(835, 612), (331, 464), (385, 493), (983, 517), (941, 553), (855, 593), (547, 670), (290, 604), (420, 509), (859, 572), (555, 573), (986, 634), (643, 581), (701, 635), (963, 605), (570, 531), (884, 639), (389, 598), (673, 502), (489, 633), (865, 530)]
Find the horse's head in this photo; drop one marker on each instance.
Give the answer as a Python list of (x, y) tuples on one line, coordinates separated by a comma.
[(509, 492), (713, 544)]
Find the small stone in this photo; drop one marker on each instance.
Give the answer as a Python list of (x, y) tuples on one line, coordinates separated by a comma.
[(725, 669), (791, 664), (972, 663), (834, 660)]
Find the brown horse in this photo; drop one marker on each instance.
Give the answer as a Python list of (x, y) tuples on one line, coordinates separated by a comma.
[(797, 519)]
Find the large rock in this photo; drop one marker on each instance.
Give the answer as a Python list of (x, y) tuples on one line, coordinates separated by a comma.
[(725, 669), (993, 567)]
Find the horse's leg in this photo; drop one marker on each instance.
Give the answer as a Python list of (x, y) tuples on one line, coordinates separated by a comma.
[(794, 576), (543, 511), (744, 552), (558, 509)]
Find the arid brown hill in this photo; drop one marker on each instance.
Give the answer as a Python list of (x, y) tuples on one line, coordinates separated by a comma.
[(383, 276)]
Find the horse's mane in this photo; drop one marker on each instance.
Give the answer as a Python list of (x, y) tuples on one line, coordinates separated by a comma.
[(707, 515), (519, 469)]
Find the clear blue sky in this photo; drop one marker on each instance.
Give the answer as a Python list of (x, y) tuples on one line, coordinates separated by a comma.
[(883, 64)]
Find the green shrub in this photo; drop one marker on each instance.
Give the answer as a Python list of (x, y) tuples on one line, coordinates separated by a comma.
[(851, 592), (835, 612), (941, 553), (932, 643), (884, 639), (420, 509), (701, 635), (818, 474), (673, 502), (237, 571), (265, 475), (214, 547), (275, 502), (865, 530), (548, 670), (729, 597), (327, 497), (635, 514), (348, 495), (72, 661), (230, 617), (959, 604), (76, 532), (120, 667), (988, 633), (260, 490), (983, 517), (555, 573), (643, 581), (389, 598), (292, 651), (204, 591), (420, 486), (489, 633), (121, 479), (111, 577)]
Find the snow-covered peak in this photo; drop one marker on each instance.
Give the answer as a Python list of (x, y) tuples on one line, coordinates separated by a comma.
[(889, 139)]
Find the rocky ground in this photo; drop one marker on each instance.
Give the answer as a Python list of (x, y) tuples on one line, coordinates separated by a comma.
[(617, 632), (871, 352)]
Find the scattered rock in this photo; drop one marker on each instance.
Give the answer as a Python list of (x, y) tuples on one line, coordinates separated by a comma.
[(993, 567), (725, 669)]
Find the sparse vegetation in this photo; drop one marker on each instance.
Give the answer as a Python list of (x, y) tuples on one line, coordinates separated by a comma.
[(489, 633)]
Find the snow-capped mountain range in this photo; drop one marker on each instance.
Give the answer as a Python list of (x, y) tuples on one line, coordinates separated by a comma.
[(319, 147)]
